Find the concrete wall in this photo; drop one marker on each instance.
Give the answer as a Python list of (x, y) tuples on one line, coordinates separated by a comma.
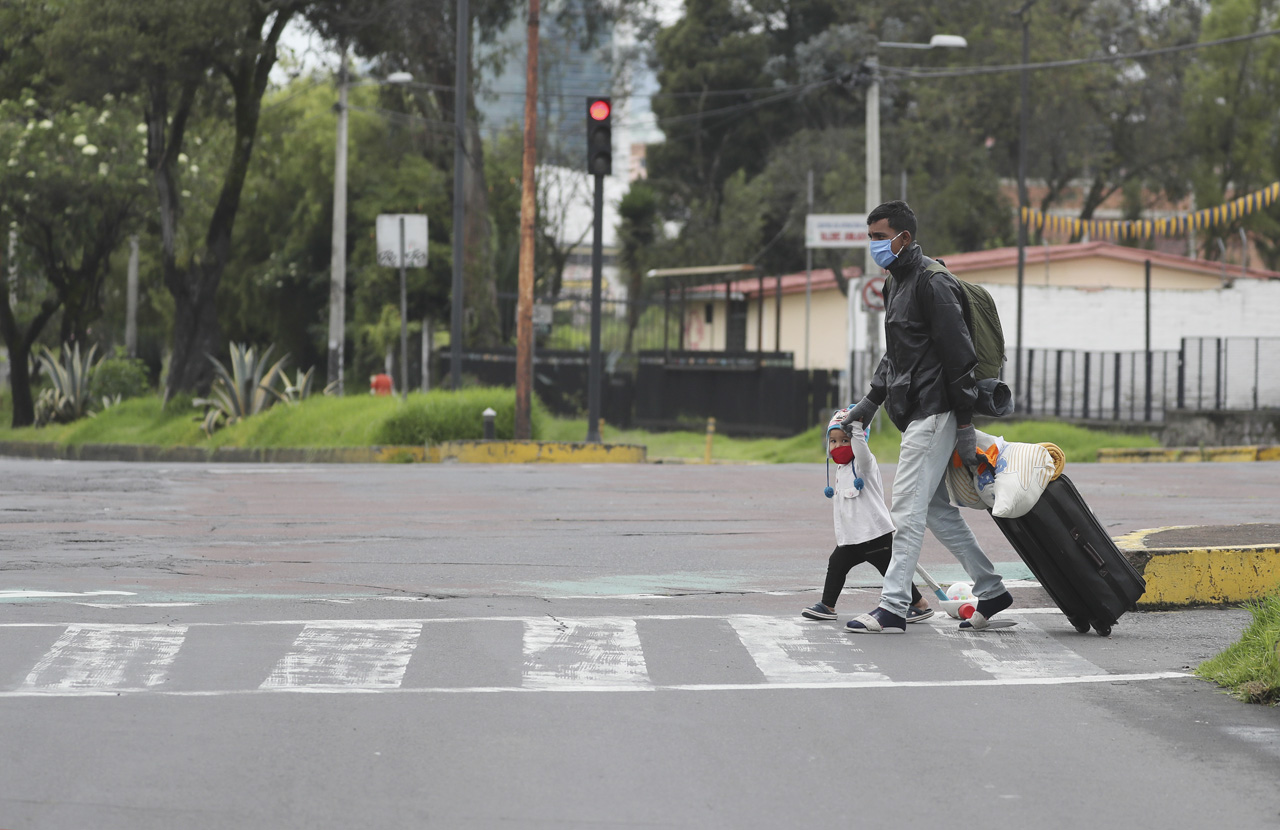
[(1054, 317)]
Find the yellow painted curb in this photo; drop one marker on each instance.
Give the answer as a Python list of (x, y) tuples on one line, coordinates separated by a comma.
[(1203, 575), (406, 455), (1230, 453), (1116, 455), (527, 452)]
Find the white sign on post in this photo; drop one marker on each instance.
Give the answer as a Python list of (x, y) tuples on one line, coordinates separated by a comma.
[(415, 240), (835, 230)]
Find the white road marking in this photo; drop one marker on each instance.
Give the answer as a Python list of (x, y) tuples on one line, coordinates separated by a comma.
[(788, 651), (40, 594), (107, 658), (596, 653), (359, 655), (692, 687), (1022, 652), (582, 654), (137, 604)]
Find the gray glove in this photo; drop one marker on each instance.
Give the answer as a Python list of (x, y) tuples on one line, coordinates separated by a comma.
[(863, 412), (967, 446)]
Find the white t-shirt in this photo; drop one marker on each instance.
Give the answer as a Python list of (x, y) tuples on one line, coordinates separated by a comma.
[(860, 515)]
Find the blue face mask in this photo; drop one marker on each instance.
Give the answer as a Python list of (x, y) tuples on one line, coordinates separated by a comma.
[(882, 251)]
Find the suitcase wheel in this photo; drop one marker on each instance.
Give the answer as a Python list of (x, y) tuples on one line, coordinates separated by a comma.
[(1081, 625), (1103, 630)]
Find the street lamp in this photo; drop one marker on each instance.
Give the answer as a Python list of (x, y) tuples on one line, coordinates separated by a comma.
[(338, 262), (873, 181)]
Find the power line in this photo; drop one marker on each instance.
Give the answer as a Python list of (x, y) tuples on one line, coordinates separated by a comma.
[(959, 72)]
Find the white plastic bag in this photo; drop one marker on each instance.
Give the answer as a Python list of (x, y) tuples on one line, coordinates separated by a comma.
[(1021, 473)]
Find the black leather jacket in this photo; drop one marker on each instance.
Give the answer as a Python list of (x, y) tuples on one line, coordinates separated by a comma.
[(928, 364)]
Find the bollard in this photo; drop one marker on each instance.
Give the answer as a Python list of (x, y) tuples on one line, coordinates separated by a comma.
[(489, 416), (711, 431)]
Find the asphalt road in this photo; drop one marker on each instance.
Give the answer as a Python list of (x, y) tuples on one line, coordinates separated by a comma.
[(461, 646)]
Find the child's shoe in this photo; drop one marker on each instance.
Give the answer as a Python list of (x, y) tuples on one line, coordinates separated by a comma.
[(818, 611), (917, 614)]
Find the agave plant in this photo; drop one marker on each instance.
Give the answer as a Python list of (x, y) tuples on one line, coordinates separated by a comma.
[(68, 399), (247, 388), (298, 389)]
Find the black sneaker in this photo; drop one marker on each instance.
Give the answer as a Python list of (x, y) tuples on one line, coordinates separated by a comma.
[(818, 611)]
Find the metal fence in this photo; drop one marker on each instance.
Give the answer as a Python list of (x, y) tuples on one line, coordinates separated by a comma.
[(1230, 373), (1205, 373), (1128, 386), (564, 322)]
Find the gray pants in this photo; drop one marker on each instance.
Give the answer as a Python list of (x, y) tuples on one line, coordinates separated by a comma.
[(920, 501)]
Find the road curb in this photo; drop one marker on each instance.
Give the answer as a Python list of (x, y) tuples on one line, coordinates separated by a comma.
[(1198, 574), (467, 452), (1119, 455)]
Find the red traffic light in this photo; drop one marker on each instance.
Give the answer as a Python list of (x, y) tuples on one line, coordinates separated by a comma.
[(599, 110)]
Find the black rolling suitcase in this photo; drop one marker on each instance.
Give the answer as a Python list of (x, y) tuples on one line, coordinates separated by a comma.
[(1074, 559)]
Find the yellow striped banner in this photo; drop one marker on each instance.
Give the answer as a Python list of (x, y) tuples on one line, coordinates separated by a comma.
[(1238, 208)]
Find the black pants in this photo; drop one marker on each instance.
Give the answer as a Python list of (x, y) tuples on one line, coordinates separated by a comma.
[(878, 552)]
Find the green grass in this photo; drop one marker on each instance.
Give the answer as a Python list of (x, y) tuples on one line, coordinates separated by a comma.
[(135, 421), (1250, 669), (319, 421), (367, 420), (1077, 443)]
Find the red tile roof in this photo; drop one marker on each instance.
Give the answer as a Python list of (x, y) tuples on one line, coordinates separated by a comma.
[(824, 278)]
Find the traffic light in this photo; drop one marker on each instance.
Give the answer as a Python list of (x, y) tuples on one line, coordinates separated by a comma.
[(599, 136)]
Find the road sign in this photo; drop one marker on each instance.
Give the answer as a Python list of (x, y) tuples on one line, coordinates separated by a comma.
[(872, 292), (835, 230), (415, 240)]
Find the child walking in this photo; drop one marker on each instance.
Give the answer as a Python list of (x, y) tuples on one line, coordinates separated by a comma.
[(864, 530)]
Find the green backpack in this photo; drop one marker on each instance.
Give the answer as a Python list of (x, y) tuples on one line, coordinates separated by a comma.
[(983, 320)]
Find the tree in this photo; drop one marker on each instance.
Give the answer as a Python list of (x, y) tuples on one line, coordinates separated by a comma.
[(71, 189), (183, 59), (276, 286), (637, 231), (1233, 119)]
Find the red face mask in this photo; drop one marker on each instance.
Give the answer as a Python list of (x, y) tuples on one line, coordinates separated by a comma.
[(842, 454)]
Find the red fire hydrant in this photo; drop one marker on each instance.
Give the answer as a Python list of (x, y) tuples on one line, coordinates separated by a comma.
[(380, 384)]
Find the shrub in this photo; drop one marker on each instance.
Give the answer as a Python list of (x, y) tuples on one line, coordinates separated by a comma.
[(68, 398), (120, 377), (246, 389), (456, 416)]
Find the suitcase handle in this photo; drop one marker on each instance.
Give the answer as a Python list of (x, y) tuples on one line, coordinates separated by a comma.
[(1098, 561)]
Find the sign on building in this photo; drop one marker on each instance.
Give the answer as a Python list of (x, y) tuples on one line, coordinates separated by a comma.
[(835, 230)]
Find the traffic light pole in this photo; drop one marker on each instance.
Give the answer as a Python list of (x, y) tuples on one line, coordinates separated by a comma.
[(594, 369)]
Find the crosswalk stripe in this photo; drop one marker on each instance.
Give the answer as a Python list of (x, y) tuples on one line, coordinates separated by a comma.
[(107, 657), (1025, 652), (596, 653), (357, 655), (588, 654), (787, 651)]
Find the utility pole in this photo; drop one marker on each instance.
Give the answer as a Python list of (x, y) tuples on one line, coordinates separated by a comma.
[(808, 283), (872, 201), (131, 301), (338, 260), (528, 209), (1024, 201), (462, 23)]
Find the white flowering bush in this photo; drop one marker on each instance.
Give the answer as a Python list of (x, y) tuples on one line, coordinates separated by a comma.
[(69, 174)]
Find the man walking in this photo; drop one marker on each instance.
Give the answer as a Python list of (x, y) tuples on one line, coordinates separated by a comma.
[(926, 381)]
